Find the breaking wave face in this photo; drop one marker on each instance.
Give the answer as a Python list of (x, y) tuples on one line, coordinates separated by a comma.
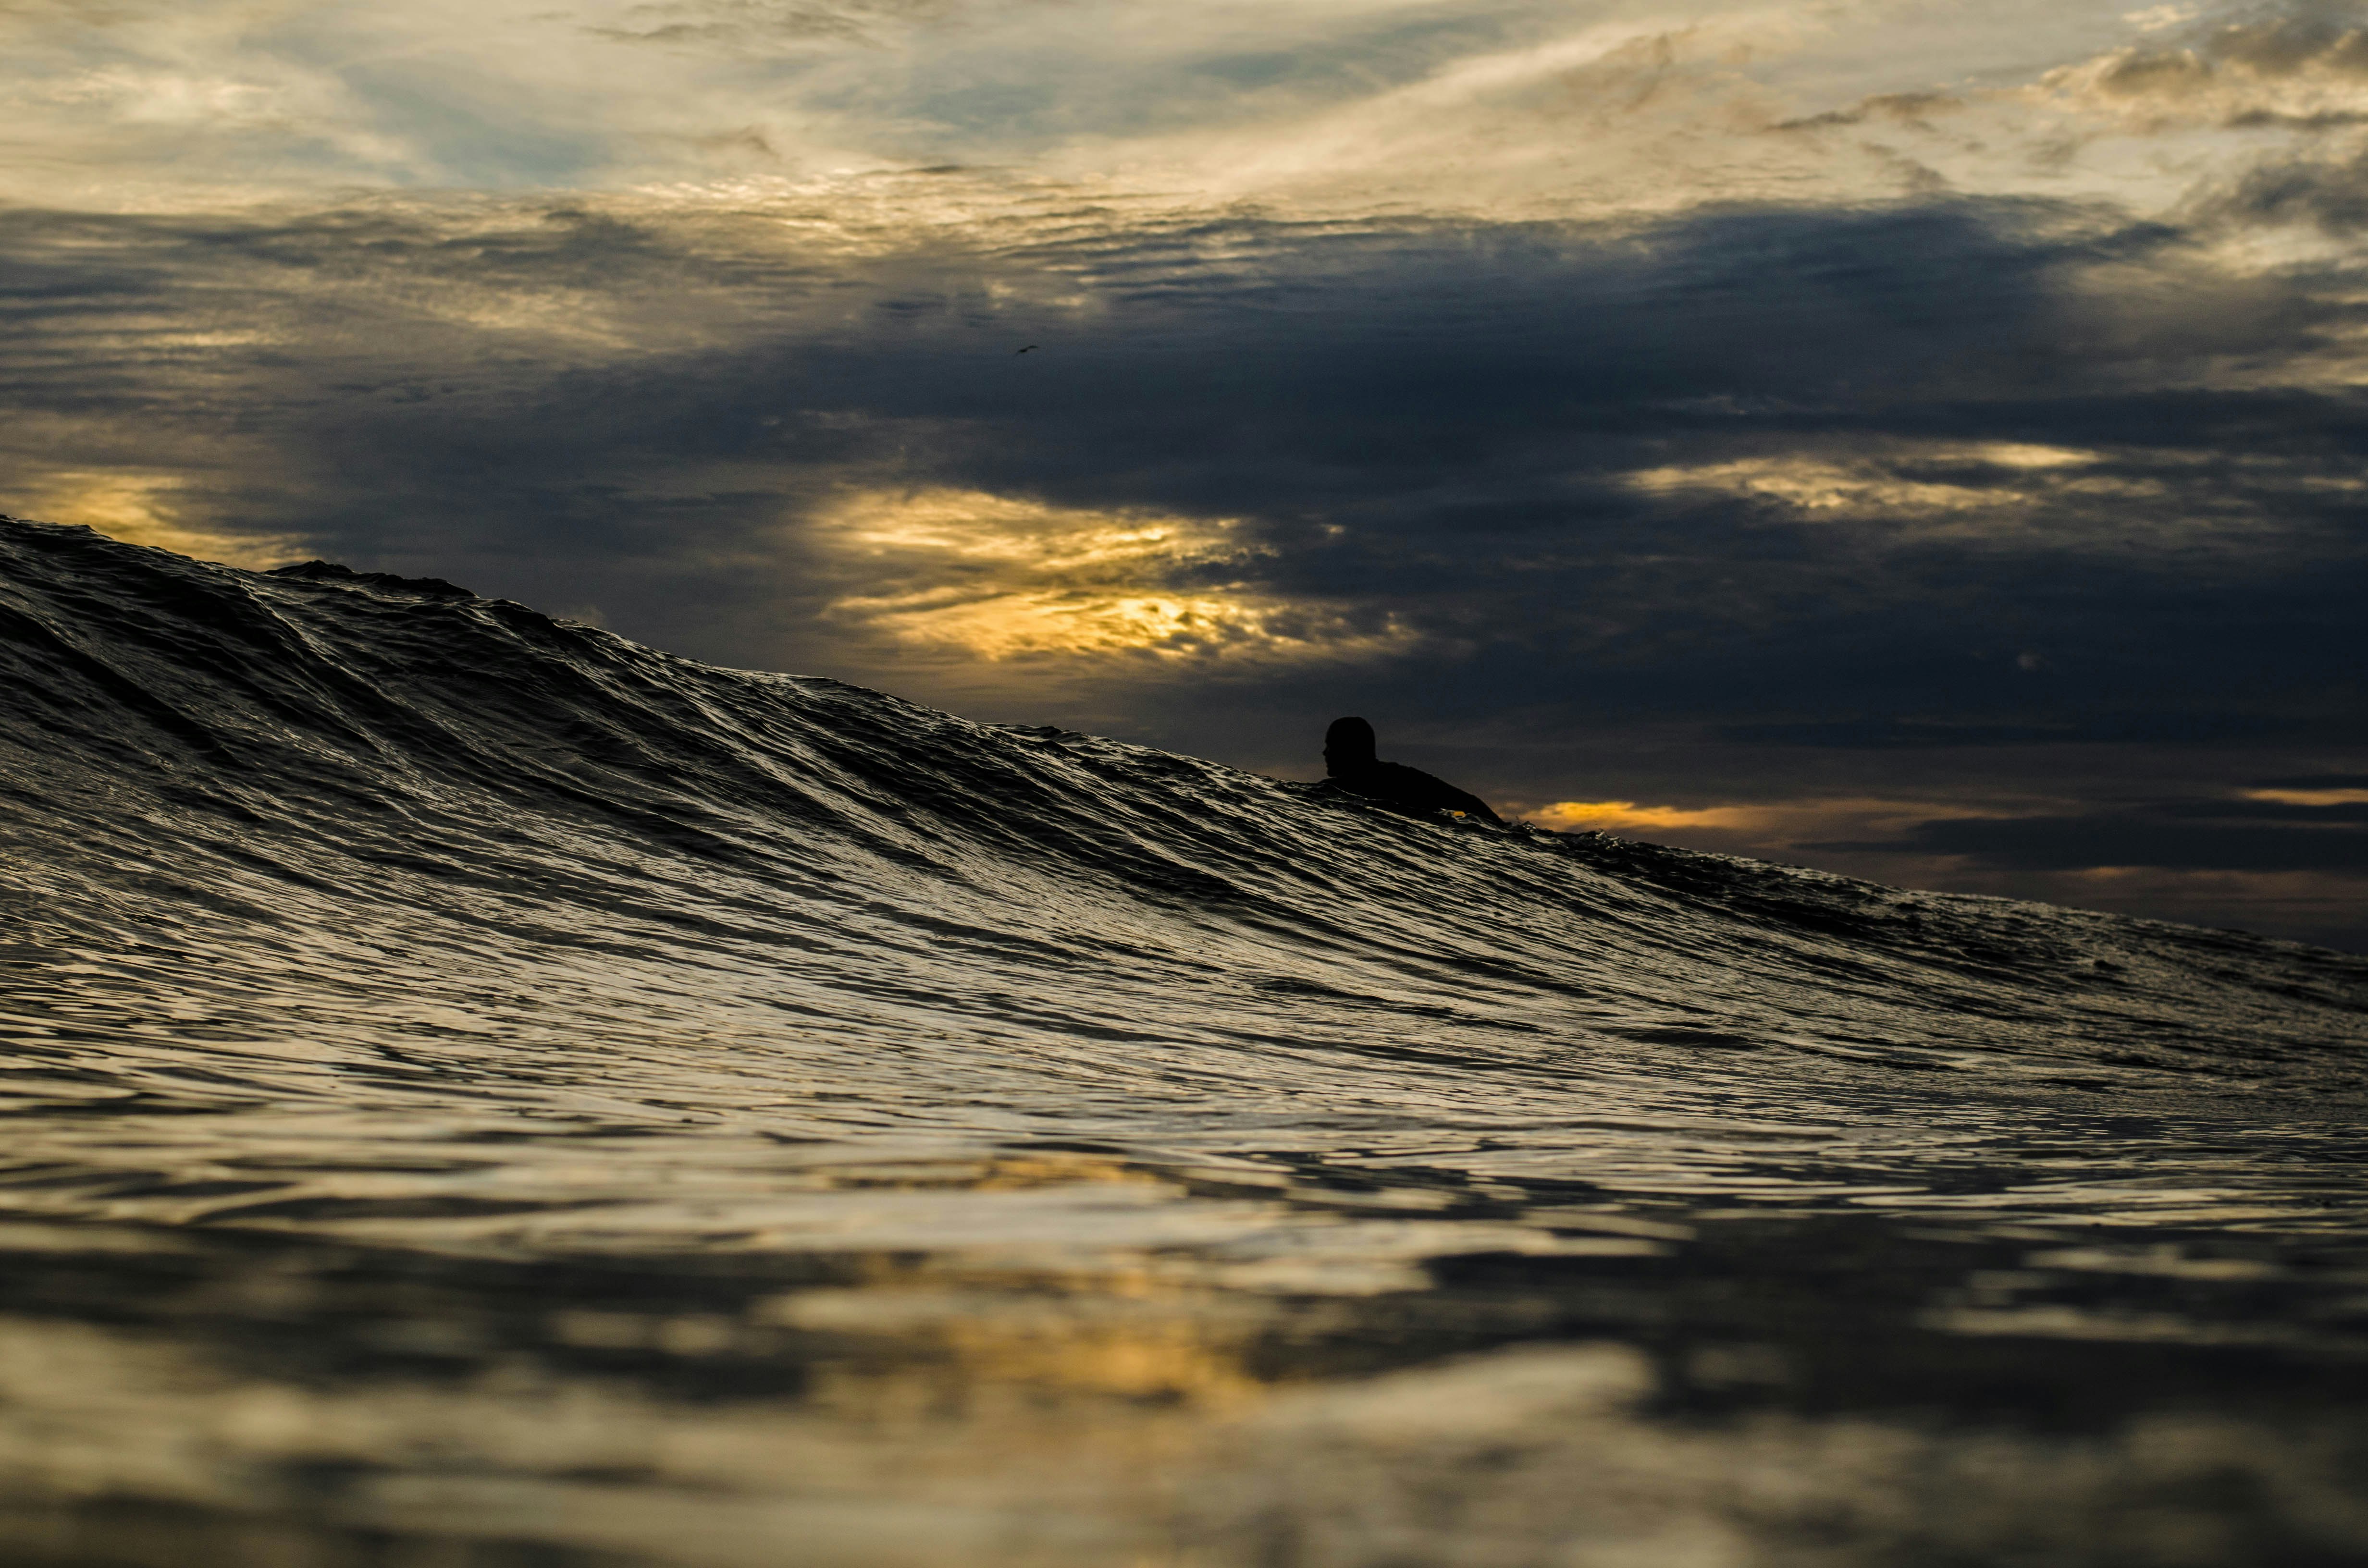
[(356, 922)]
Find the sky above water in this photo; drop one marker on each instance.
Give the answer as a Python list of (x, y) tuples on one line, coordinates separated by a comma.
[(1920, 440)]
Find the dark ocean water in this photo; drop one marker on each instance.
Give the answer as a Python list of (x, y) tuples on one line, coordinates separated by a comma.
[(478, 1091)]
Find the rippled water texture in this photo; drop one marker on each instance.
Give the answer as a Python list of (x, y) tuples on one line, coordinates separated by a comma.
[(478, 1091)]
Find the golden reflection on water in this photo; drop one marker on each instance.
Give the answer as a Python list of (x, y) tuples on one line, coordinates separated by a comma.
[(926, 1410), (1607, 1391)]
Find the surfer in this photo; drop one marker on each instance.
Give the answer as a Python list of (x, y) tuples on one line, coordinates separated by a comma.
[(1348, 758)]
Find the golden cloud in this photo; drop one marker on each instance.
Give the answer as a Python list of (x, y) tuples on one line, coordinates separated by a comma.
[(1763, 825), (1884, 486), (1807, 484), (2290, 68), (1627, 816), (140, 510), (2308, 797), (999, 577)]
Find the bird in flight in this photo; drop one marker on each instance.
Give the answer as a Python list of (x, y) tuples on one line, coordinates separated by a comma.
[(1029, 349)]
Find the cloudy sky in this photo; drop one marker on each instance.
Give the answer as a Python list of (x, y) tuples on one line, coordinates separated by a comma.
[(1921, 439)]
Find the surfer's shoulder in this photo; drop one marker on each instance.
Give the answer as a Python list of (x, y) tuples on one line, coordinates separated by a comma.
[(1411, 792)]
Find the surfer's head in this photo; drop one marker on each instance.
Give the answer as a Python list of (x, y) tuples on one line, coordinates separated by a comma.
[(1347, 744)]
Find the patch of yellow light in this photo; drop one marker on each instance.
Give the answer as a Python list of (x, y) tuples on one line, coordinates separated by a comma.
[(1000, 577), (2024, 454), (1886, 483), (1092, 1341), (1765, 824), (2309, 797), (1615, 815), (139, 509), (1809, 485), (976, 524), (1007, 625)]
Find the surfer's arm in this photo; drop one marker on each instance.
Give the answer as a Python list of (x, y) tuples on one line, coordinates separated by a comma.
[(1434, 793)]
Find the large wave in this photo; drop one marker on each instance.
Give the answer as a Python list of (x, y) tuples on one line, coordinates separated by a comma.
[(341, 839)]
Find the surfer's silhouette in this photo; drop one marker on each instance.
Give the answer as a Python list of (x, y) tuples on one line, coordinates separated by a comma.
[(1348, 758)]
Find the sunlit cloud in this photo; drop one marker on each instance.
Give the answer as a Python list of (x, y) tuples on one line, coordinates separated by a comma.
[(1764, 825), (2294, 68), (1935, 486), (999, 577), (1627, 816), (2012, 495), (1005, 626), (1861, 488), (1617, 118), (2176, 109), (2342, 797), (143, 509), (1505, 106)]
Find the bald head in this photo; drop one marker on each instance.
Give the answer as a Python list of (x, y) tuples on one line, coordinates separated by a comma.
[(1348, 758), (1348, 746)]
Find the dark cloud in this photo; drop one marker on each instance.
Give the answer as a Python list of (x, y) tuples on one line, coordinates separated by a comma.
[(2095, 728), (2328, 194), (2105, 839), (2315, 815)]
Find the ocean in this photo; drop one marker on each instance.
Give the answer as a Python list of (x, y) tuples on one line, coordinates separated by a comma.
[(479, 1091)]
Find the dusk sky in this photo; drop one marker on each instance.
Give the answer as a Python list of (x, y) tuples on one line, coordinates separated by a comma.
[(1919, 440)]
